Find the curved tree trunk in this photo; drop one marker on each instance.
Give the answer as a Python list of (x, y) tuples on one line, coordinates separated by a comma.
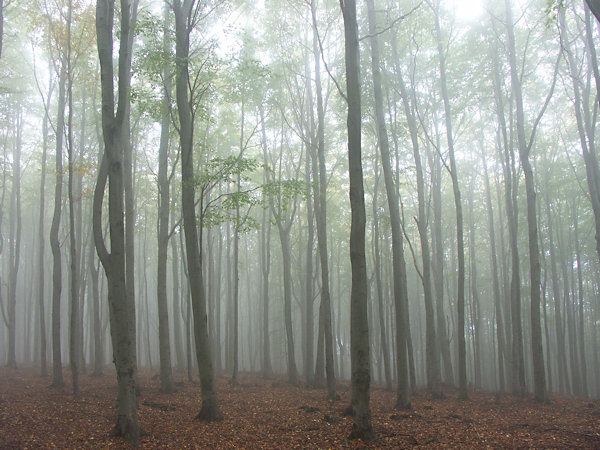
[(115, 134), (57, 380)]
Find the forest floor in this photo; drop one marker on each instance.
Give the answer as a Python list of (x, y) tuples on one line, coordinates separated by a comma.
[(270, 413)]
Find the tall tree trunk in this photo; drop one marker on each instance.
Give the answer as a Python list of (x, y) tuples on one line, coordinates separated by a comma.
[(177, 311), (437, 266), (284, 237), (164, 341), (399, 265), (15, 240), (580, 313), (74, 332), (540, 390), (476, 315), (495, 278), (460, 301), (561, 355), (308, 281), (265, 260), (321, 215), (379, 285), (41, 235), (517, 369), (57, 378), (96, 315), (236, 276), (183, 22), (359, 325), (122, 323)]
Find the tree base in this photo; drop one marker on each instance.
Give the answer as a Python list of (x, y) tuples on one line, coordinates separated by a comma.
[(348, 411), (209, 414), (367, 435), (403, 405), (333, 396), (168, 389), (128, 429)]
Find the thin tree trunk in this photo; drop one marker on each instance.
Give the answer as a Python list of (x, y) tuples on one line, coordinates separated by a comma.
[(41, 235), (57, 380), (321, 217), (378, 282), (164, 344), (15, 240), (399, 265), (495, 278), (460, 301), (561, 355), (74, 331), (580, 313)]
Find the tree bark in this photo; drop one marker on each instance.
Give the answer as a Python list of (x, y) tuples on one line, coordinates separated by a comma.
[(495, 278), (123, 339), (460, 301), (57, 377), (540, 390), (183, 23), (320, 201), (359, 325), (164, 341), (15, 240), (398, 262)]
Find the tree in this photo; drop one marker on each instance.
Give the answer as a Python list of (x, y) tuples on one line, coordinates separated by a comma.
[(319, 174), (166, 373), (460, 246), (115, 135), (186, 14), (399, 264), (525, 146), (359, 324)]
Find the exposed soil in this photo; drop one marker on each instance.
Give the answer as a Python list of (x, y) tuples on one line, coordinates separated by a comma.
[(271, 414)]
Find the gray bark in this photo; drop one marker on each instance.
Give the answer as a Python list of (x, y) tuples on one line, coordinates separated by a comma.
[(399, 265), (359, 325), (122, 323), (183, 27)]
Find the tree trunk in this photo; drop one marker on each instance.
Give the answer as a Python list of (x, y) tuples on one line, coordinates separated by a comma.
[(580, 313), (284, 237), (399, 265), (359, 325), (57, 380), (41, 236), (320, 202), (561, 355), (15, 240), (123, 339), (164, 342), (177, 312), (379, 285), (265, 260), (210, 407), (540, 390), (495, 278), (75, 336), (476, 315), (460, 301)]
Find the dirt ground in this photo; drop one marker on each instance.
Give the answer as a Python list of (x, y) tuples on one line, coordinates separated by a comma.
[(272, 414)]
